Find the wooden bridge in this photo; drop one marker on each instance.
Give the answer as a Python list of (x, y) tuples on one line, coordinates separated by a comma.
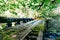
[(28, 33), (24, 35)]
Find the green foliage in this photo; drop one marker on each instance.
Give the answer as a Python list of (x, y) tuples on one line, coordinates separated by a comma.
[(39, 27), (38, 5), (7, 37), (14, 13), (45, 6), (6, 34)]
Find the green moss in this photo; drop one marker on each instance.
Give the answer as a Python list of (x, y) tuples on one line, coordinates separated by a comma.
[(39, 27)]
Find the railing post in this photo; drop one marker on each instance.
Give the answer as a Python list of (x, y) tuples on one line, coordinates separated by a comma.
[(18, 22), (9, 24), (24, 21)]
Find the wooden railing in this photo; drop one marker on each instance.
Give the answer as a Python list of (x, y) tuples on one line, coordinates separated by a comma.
[(16, 20)]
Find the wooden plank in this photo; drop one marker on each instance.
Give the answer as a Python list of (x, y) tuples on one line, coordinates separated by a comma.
[(40, 36)]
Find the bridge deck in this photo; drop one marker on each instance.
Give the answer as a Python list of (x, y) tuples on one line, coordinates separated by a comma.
[(26, 32)]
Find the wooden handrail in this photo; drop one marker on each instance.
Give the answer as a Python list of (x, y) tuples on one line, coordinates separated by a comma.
[(5, 20)]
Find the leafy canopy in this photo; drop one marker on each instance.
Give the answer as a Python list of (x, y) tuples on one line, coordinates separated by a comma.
[(38, 5)]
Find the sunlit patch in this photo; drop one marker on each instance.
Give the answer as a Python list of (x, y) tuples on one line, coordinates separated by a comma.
[(1, 27), (57, 10)]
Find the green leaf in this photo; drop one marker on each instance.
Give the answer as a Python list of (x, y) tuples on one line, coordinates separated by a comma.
[(14, 13)]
